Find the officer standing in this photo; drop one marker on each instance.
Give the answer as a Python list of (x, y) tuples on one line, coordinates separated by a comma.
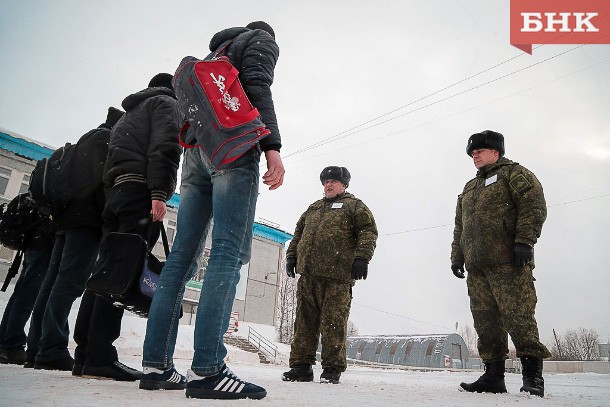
[(498, 219), (332, 245)]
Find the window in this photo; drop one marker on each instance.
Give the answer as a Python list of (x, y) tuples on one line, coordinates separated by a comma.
[(25, 184), (5, 176)]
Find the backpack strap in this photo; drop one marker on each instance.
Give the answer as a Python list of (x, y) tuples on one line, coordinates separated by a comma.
[(185, 126), (13, 270)]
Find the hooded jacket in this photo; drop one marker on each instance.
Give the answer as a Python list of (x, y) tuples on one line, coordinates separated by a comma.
[(254, 54), (331, 234), (144, 142), (503, 205)]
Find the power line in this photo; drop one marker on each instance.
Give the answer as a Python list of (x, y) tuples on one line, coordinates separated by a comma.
[(348, 133), (447, 224), (400, 316), (457, 113)]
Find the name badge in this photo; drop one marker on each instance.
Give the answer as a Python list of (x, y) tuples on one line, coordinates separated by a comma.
[(491, 180), (337, 205)]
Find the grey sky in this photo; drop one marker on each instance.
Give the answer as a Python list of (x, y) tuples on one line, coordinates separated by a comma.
[(342, 64)]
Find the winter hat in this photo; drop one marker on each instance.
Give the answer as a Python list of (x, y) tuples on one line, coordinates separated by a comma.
[(113, 116), (161, 80), (486, 139), (261, 25), (340, 174)]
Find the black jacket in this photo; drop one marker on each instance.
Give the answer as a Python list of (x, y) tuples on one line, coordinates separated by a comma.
[(254, 53), (145, 141), (85, 208)]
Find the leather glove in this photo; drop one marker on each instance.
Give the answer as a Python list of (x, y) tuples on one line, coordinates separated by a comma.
[(291, 265), (360, 269), (458, 269), (524, 253)]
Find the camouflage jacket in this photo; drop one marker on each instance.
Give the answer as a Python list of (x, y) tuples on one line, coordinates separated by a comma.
[(503, 205), (330, 234)]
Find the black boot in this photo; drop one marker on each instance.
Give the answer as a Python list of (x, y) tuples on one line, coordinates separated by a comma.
[(492, 381), (298, 373), (330, 375), (533, 383)]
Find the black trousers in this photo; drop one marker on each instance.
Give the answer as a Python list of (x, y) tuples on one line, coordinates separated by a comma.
[(98, 323)]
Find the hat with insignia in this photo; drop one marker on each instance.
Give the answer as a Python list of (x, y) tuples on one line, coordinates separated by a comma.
[(340, 174), (486, 139)]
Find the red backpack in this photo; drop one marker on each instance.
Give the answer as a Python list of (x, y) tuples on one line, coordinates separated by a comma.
[(218, 117)]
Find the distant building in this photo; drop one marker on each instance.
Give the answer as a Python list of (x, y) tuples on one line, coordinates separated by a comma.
[(258, 289), (435, 351)]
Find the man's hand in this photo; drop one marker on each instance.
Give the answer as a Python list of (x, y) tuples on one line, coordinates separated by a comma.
[(291, 264), (274, 177), (458, 269), (158, 210), (524, 253), (360, 269)]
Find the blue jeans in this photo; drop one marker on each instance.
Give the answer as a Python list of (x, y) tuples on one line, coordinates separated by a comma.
[(73, 255), (21, 303), (230, 197)]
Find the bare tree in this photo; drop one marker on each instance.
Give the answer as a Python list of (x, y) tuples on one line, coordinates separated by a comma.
[(576, 344), (352, 329), (470, 337), (287, 305)]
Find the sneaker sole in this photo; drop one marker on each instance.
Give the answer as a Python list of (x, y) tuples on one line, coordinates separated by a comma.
[(222, 395), (157, 385), (326, 381)]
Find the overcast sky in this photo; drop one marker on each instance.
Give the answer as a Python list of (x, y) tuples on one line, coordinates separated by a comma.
[(435, 71)]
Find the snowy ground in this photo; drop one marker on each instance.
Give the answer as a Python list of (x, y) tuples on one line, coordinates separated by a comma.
[(359, 385)]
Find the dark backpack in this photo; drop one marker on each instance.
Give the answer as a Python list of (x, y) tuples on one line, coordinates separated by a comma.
[(19, 222), (218, 116), (74, 170), (50, 183)]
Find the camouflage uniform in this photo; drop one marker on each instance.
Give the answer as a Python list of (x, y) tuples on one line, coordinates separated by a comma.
[(502, 206), (329, 235)]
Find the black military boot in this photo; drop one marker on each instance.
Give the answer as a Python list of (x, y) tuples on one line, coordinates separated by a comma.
[(330, 375), (492, 381), (298, 373), (533, 383)]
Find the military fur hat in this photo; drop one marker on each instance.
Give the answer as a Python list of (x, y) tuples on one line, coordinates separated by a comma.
[(486, 139), (340, 174)]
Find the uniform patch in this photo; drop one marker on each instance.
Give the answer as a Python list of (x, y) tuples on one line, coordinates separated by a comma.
[(520, 184)]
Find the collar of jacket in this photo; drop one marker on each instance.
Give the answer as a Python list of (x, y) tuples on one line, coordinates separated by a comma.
[(134, 99), (338, 197), (488, 169)]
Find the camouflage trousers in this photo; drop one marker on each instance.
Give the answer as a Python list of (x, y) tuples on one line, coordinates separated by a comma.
[(323, 306), (503, 302)]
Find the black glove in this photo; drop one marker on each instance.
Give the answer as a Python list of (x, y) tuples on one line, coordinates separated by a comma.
[(291, 265), (524, 253), (458, 269), (360, 269)]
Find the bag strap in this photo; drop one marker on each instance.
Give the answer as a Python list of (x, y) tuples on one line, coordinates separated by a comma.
[(13, 270), (222, 49), (163, 237), (183, 131)]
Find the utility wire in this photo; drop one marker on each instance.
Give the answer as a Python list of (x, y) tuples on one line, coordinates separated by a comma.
[(448, 224), (401, 316), (455, 114), (358, 129)]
